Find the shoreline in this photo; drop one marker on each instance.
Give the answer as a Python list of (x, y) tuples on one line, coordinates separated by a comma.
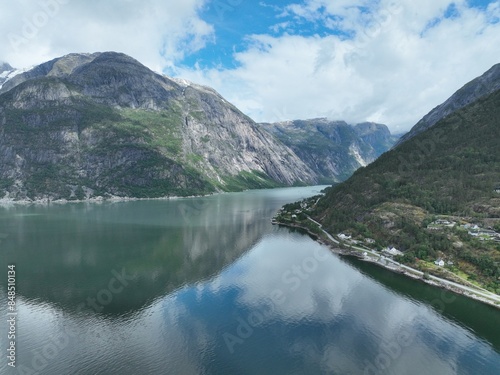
[(391, 267), (6, 201), (112, 199)]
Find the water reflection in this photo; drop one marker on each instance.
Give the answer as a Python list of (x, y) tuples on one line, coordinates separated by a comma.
[(213, 288), (68, 253), (336, 321), (478, 318)]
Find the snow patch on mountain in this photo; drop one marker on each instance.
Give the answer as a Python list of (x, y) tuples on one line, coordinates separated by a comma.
[(9, 73)]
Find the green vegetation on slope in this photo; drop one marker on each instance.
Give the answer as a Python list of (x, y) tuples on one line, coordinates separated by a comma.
[(158, 129), (247, 180), (451, 169), (80, 144)]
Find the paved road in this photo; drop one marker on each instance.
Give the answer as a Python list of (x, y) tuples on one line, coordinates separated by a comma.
[(483, 293), (324, 231), (480, 292)]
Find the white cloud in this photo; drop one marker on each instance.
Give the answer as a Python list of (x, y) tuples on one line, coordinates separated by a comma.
[(400, 60), (394, 70), (156, 32)]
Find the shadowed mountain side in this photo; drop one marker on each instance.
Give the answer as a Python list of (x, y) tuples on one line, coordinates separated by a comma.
[(453, 169)]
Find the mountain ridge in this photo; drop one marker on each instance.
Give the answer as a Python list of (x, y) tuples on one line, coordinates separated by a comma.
[(103, 124), (479, 87), (449, 172), (5, 72), (333, 149), (91, 125)]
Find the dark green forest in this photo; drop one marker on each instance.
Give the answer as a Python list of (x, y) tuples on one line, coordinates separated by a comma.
[(450, 169)]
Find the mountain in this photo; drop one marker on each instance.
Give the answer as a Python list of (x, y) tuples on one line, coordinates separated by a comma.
[(5, 71), (482, 86), (333, 149), (378, 136), (102, 124), (451, 169), (5, 67)]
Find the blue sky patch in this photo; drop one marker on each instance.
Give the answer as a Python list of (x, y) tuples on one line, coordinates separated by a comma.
[(482, 4), (452, 11), (235, 20)]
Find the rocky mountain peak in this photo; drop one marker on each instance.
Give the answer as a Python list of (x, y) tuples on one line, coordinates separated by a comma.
[(5, 72), (101, 124), (110, 78), (366, 128), (5, 67), (86, 125), (333, 149)]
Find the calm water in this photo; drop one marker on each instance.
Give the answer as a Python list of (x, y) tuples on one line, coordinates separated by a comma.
[(209, 286)]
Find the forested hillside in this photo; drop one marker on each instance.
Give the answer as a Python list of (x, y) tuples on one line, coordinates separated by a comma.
[(452, 169)]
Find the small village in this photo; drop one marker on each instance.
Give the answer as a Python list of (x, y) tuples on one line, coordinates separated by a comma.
[(303, 208), (474, 230), (297, 215)]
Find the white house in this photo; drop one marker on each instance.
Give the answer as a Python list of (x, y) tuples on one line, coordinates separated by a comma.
[(439, 263), (471, 226), (442, 222), (343, 236), (392, 251)]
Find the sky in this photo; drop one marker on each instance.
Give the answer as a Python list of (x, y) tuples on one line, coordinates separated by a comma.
[(385, 61)]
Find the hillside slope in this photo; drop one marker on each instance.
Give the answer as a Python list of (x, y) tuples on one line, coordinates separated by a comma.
[(479, 87), (88, 125), (451, 169)]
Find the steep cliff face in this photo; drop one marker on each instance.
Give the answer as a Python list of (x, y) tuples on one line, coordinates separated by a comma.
[(88, 125), (480, 87), (333, 149)]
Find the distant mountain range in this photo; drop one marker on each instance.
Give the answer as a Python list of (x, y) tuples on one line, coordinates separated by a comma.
[(333, 149), (99, 125)]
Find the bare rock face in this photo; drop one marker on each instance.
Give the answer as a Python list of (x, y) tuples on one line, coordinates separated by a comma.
[(333, 149), (88, 125), (232, 143)]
